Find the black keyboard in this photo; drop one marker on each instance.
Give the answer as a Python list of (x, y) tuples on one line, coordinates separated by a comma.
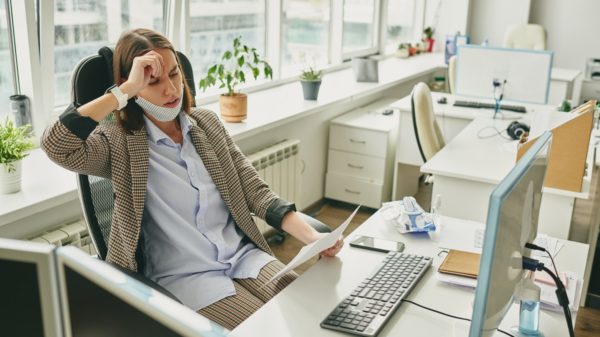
[(480, 105), (374, 301)]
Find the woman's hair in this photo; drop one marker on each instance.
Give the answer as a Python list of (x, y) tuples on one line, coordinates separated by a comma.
[(135, 43)]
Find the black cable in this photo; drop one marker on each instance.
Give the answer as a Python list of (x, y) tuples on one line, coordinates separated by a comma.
[(448, 315), (563, 299), (540, 248)]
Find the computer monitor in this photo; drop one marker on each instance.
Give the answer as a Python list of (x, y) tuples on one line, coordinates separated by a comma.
[(526, 72), (28, 290), (511, 222), (99, 300)]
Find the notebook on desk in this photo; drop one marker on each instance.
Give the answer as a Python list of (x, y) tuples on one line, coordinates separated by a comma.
[(460, 263)]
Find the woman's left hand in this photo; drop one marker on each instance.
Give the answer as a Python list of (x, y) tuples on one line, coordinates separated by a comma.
[(333, 250)]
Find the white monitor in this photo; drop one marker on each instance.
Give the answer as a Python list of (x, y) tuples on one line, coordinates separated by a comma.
[(28, 290), (526, 72), (512, 221), (99, 300)]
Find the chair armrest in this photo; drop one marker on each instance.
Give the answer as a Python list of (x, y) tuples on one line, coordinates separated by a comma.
[(314, 223)]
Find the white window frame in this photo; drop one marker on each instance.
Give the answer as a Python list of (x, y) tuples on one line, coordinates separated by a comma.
[(377, 12)]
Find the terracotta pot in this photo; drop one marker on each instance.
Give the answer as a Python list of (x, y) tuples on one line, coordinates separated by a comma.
[(234, 108)]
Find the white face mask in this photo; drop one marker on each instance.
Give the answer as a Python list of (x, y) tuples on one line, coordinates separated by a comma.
[(161, 113)]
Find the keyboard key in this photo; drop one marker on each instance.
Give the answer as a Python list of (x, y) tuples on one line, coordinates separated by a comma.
[(348, 326)]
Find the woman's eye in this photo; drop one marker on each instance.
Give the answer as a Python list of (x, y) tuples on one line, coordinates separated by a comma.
[(174, 74)]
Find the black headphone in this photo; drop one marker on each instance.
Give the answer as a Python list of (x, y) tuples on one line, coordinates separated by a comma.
[(515, 130)]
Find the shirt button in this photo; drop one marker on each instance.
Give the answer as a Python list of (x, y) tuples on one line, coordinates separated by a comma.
[(192, 174)]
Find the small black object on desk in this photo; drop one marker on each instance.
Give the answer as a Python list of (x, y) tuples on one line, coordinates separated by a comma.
[(442, 100)]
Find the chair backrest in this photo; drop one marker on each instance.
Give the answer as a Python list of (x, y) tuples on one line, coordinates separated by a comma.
[(97, 201), (525, 36), (451, 73), (429, 137)]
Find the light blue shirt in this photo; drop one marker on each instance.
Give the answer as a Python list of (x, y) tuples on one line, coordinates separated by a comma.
[(192, 246)]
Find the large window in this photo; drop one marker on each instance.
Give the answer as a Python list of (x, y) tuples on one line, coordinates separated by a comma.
[(215, 23), (81, 27), (359, 25), (6, 73), (401, 16), (305, 35)]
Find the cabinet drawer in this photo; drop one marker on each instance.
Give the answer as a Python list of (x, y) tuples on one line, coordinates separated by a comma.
[(353, 190), (361, 141), (590, 90), (356, 165)]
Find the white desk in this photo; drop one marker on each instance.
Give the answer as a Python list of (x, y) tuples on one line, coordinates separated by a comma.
[(298, 309), (451, 120), (468, 168)]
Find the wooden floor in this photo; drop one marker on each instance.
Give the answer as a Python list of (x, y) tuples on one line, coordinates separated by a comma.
[(332, 213)]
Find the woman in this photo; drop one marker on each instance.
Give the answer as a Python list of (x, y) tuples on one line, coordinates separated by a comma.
[(184, 193)]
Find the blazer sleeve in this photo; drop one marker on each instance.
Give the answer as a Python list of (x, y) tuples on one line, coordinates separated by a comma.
[(262, 200), (75, 143)]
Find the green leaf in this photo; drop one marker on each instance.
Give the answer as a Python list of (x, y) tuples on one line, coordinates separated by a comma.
[(220, 69), (242, 77), (241, 61), (268, 71), (212, 69), (202, 84), (255, 72), (227, 55)]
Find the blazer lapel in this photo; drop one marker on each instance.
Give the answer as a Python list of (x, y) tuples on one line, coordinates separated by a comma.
[(137, 145)]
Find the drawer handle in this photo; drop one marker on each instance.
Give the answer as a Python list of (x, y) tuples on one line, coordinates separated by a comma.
[(351, 191), (358, 141), (355, 166)]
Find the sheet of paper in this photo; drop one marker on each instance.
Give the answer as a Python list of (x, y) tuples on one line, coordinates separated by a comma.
[(315, 248)]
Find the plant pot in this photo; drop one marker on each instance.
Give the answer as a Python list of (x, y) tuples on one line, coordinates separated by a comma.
[(429, 44), (233, 108), (402, 53), (365, 69), (10, 182), (311, 89)]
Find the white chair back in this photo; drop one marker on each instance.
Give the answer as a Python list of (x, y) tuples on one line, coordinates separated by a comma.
[(429, 137), (525, 36), (451, 73)]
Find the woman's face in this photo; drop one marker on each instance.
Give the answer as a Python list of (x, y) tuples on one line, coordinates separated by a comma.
[(165, 90)]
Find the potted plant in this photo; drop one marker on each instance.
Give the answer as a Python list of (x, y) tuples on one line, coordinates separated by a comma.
[(231, 72), (311, 82), (403, 50), (14, 143), (428, 38)]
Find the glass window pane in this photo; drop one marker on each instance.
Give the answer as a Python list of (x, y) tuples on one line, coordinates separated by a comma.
[(81, 27), (359, 18), (305, 35), (215, 23), (6, 71), (400, 23)]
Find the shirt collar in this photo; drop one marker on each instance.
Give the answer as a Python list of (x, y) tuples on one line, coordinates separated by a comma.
[(155, 134)]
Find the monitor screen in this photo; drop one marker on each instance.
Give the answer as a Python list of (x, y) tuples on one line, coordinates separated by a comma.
[(512, 221), (99, 300), (525, 73), (28, 291)]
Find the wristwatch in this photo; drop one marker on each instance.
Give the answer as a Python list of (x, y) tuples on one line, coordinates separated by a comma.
[(119, 95)]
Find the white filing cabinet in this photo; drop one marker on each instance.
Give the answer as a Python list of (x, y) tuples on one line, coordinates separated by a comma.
[(362, 144), (590, 89)]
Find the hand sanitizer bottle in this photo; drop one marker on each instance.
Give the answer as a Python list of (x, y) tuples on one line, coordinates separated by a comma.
[(529, 312)]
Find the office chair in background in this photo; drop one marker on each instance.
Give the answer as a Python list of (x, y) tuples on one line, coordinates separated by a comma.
[(525, 36), (90, 79), (451, 73), (427, 132)]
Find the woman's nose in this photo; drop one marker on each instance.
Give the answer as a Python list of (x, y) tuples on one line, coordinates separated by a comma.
[(170, 88)]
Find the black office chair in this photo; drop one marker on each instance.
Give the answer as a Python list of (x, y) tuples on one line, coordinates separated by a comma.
[(91, 77)]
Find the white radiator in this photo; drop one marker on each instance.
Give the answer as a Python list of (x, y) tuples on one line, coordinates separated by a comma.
[(73, 234), (279, 166)]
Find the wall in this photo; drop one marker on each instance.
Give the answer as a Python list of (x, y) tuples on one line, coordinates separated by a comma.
[(490, 18), (572, 29), (447, 17)]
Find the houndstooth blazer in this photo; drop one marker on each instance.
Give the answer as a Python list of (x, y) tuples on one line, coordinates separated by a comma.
[(80, 144)]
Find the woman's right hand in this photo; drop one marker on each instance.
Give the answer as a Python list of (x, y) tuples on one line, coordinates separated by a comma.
[(143, 69)]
